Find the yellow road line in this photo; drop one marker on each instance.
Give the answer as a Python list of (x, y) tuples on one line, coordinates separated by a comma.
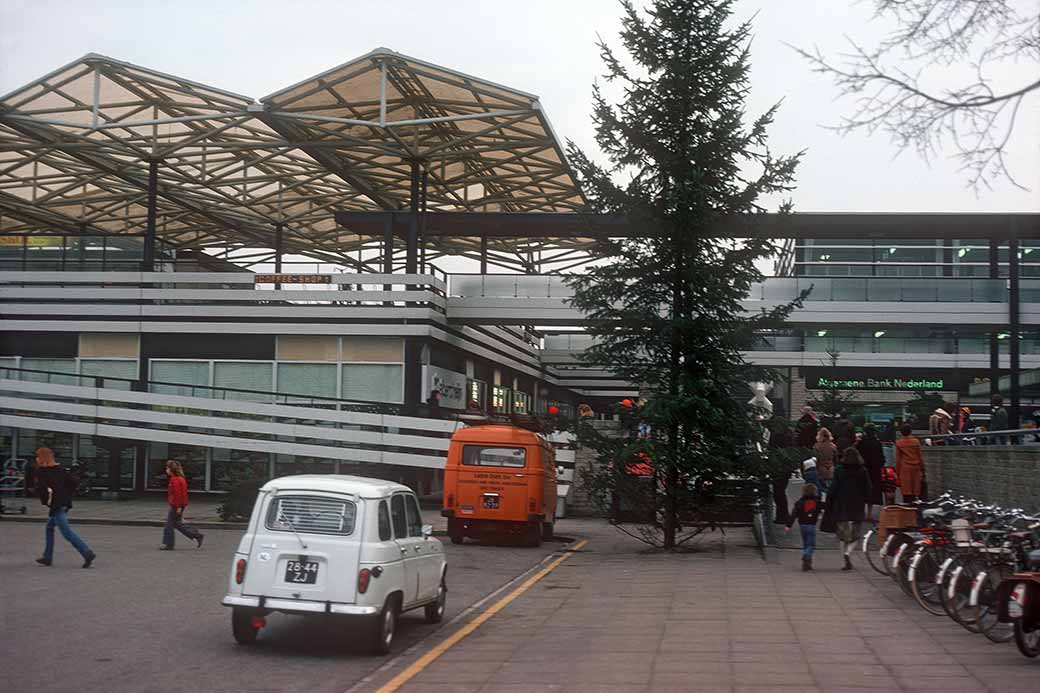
[(418, 665)]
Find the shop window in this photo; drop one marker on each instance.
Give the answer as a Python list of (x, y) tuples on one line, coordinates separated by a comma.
[(501, 399), (52, 365), (313, 379), (521, 403), (229, 468), (192, 459), (376, 382), (477, 393), (245, 375), (110, 368), (96, 461), (63, 445), (189, 374), (288, 465)]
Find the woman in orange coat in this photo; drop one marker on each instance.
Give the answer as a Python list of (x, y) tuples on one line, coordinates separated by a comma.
[(909, 464)]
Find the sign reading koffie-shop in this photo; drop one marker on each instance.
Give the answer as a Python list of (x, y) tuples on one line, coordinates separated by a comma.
[(886, 379)]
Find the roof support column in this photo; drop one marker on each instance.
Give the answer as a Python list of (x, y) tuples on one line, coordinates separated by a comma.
[(411, 260), (994, 343), (279, 230), (412, 345), (148, 264), (483, 254), (1014, 324)]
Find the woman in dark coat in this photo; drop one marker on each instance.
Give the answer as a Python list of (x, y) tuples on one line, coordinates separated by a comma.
[(873, 454), (848, 498)]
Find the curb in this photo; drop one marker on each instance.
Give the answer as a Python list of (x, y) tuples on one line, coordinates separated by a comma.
[(240, 526), (129, 523)]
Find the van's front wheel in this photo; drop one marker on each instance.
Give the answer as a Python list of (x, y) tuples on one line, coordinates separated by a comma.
[(385, 627), (242, 626)]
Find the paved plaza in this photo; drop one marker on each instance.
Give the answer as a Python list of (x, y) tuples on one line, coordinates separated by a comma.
[(610, 617)]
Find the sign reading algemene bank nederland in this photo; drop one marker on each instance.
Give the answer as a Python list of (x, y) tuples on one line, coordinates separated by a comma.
[(846, 378)]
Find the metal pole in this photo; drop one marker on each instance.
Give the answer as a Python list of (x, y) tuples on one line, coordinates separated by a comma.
[(483, 255), (149, 233), (412, 243), (994, 343), (412, 355), (278, 238), (1014, 330), (422, 223)]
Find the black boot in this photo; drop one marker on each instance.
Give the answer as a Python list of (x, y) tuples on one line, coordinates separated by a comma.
[(848, 563), (806, 564), (88, 559)]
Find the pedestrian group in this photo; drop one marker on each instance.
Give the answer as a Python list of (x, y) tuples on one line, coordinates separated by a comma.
[(55, 486)]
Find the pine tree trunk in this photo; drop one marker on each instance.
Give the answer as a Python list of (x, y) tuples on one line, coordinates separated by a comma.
[(671, 484)]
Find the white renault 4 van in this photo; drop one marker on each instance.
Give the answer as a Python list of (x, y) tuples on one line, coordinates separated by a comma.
[(343, 546)]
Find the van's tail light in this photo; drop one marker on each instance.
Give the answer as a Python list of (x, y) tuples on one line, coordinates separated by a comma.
[(532, 505), (240, 571), (363, 578)]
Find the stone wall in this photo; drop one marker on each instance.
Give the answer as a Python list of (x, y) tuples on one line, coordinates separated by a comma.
[(1001, 474), (585, 458)]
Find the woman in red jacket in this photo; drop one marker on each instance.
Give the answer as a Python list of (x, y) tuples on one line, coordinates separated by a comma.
[(177, 497)]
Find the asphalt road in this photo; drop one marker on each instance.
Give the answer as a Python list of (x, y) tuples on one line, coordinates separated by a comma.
[(147, 620)]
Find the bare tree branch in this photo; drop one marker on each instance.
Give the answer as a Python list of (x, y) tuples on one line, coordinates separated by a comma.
[(976, 116)]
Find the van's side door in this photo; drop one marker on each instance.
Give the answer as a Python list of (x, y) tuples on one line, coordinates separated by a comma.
[(408, 545)]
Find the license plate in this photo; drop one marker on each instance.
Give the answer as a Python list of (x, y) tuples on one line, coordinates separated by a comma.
[(491, 502), (301, 572)]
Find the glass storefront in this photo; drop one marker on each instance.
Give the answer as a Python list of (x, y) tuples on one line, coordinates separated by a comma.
[(229, 468), (192, 459), (96, 460), (286, 465)]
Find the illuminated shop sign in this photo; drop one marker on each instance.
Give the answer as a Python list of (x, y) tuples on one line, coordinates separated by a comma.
[(824, 383), (894, 379)]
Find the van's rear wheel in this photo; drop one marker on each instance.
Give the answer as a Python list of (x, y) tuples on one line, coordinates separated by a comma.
[(548, 528), (385, 627), (534, 534), (242, 626), (435, 611)]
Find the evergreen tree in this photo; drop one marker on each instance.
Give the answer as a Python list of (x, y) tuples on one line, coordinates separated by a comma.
[(665, 306)]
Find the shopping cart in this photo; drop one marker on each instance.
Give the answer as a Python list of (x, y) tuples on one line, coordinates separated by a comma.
[(12, 487)]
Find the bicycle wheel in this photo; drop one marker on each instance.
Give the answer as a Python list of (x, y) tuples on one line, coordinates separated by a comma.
[(903, 560), (871, 548), (945, 579), (960, 597), (924, 569), (984, 597), (890, 552)]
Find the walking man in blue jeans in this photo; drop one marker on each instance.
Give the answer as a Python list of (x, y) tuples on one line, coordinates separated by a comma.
[(806, 512), (55, 487)]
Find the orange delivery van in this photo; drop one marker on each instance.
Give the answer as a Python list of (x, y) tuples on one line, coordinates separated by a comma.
[(500, 480)]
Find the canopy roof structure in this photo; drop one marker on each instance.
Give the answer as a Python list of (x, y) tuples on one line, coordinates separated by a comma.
[(375, 134)]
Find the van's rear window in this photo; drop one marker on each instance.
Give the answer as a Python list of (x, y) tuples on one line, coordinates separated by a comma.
[(311, 515), (479, 456)]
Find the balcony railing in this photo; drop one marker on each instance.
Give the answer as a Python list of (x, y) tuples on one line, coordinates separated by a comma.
[(890, 289)]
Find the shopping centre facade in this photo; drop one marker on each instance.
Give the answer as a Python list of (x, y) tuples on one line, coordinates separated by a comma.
[(276, 286)]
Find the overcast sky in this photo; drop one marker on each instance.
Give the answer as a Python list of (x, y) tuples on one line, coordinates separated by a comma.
[(546, 47)]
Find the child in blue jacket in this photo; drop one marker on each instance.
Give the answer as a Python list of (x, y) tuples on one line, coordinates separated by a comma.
[(806, 512)]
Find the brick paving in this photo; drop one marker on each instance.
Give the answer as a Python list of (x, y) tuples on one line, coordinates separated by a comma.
[(613, 618)]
